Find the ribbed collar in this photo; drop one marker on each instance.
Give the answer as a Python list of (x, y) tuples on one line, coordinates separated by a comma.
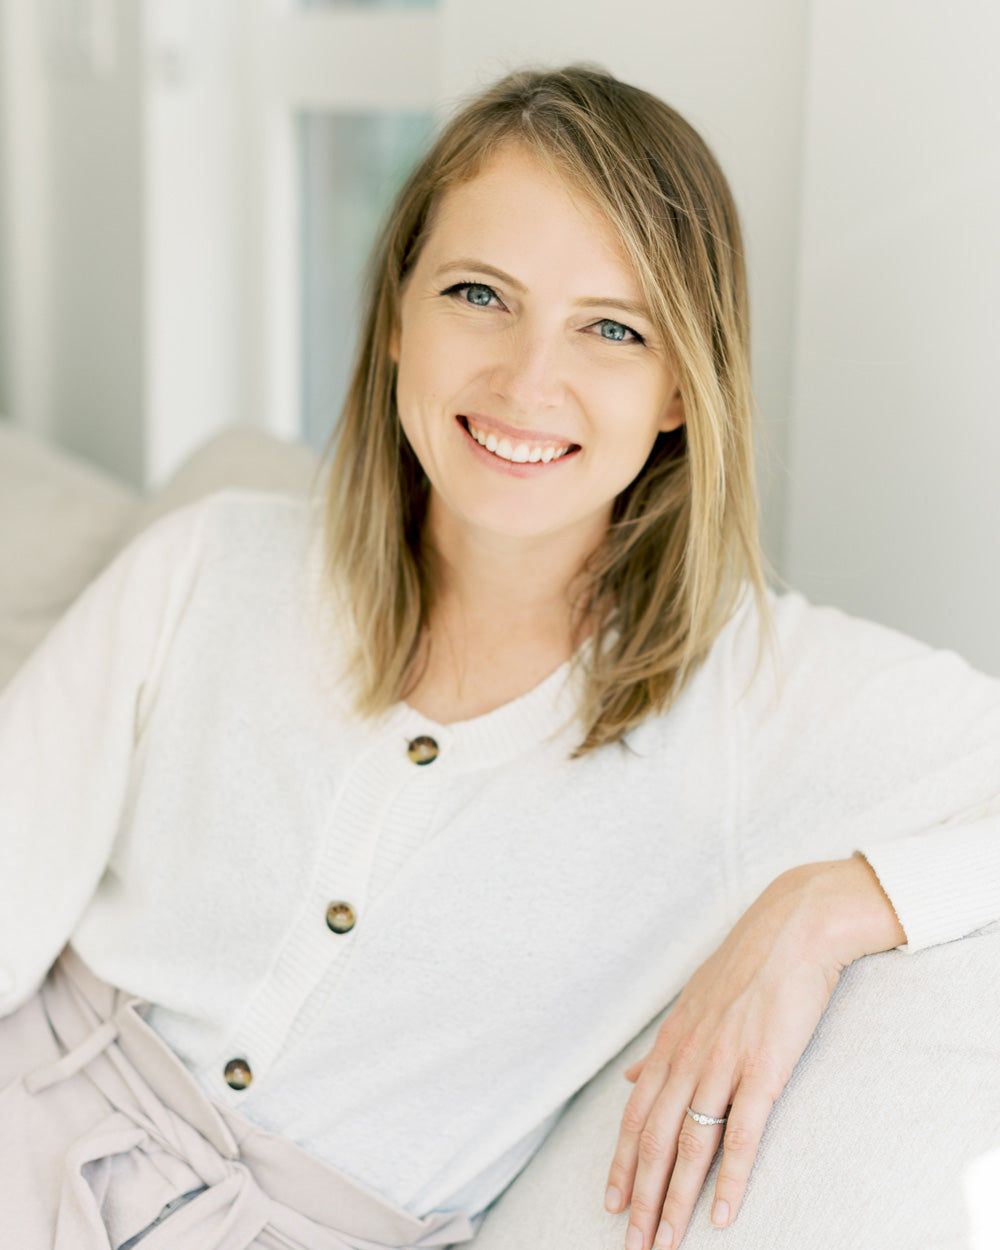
[(545, 714)]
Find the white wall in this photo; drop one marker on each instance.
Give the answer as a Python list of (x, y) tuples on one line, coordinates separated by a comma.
[(192, 206), (96, 261), (119, 186), (736, 72), (894, 511), (5, 225), (24, 166), (71, 115)]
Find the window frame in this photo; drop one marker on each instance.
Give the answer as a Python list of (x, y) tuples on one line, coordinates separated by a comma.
[(343, 60)]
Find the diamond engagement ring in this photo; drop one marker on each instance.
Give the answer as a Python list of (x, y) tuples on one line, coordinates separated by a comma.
[(705, 1119)]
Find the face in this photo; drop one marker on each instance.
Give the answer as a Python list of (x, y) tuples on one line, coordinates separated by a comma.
[(531, 381)]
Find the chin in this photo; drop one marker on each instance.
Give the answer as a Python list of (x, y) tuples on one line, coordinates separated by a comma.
[(526, 523)]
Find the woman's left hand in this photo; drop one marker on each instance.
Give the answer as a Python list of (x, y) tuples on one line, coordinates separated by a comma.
[(731, 1041)]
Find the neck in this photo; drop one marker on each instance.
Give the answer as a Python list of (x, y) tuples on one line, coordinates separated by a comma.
[(500, 582), (504, 615)]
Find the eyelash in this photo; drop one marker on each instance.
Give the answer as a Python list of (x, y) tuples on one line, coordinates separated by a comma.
[(458, 287)]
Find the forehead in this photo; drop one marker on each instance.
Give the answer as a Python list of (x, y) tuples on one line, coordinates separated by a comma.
[(518, 211)]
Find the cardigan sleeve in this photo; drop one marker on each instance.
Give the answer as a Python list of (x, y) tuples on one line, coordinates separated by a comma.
[(67, 729), (861, 740)]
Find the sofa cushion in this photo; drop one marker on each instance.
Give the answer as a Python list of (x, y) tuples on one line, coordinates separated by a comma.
[(240, 456), (60, 521)]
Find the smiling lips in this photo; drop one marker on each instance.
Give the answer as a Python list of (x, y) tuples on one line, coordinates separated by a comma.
[(509, 448)]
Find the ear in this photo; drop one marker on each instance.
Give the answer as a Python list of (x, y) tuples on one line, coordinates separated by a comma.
[(673, 417)]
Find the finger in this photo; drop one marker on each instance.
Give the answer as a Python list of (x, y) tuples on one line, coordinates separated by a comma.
[(695, 1149), (623, 1164), (656, 1155), (635, 1071), (752, 1105)]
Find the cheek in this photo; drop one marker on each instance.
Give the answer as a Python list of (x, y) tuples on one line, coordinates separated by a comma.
[(411, 386), (632, 410), (422, 389), (423, 372)]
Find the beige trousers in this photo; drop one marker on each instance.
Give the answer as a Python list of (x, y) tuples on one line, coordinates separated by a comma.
[(107, 1143)]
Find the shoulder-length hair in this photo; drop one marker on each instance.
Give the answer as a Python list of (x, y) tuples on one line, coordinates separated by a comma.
[(682, 543)]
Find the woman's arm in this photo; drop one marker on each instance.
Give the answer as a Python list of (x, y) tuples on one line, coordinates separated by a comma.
[(732, 1040), (68, 725), (855, 737), (852, 737)]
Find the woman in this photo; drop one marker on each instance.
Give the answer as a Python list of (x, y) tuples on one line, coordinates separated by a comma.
[(402, 826)]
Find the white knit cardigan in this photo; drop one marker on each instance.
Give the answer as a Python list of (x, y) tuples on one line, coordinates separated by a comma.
[(183, 793)]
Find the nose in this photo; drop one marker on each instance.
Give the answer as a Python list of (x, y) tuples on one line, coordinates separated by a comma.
[(528, 373)]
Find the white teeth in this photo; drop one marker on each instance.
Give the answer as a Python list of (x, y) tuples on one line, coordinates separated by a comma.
[(522, 453)]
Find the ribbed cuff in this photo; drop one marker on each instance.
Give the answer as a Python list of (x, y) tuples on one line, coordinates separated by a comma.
[(943, 884)]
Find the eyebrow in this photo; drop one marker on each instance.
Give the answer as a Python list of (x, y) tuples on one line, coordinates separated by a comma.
[(634, 307)]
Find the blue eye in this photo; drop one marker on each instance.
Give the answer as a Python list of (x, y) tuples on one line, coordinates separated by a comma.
[(477, 293), (615, 332)]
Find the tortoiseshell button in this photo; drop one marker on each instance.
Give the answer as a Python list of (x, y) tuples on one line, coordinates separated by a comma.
[(237, 1073), (422, 750), (341, 917)]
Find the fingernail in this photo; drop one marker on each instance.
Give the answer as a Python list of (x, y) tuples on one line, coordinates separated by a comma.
[(720, 1213), (633, 1238), (613, 1199), (664, 1236)]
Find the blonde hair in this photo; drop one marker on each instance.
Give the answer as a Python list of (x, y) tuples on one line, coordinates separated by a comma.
[(682, 542)]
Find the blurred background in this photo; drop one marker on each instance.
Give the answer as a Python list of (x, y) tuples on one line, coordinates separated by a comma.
[(188, 189)]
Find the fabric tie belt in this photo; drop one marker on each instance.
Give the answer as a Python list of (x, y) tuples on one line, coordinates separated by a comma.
[(159, 1165)]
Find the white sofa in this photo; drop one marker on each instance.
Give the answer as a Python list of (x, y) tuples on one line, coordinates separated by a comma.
[(843, 1163)]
